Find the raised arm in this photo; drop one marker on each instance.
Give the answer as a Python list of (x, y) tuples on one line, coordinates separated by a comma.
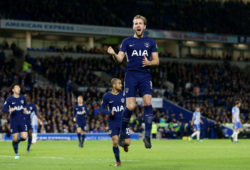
[(117, 57)]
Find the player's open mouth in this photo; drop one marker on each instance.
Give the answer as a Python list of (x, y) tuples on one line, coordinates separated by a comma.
[(138, 30)]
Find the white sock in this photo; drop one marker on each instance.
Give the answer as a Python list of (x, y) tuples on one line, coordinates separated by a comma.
[(198, 135), (34, 137), (194, 134), (236, 137), (233, 135)]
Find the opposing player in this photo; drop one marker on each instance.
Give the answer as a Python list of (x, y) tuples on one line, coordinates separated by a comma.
[(16, 106), (34, 123), (32, 110), (236, 121), (114, 101), (141, 53), (196, 121), (80, 112)]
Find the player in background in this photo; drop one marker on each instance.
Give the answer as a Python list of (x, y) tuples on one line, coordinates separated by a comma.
[(141, 53), (80, 112), (32, 110), (114, 101), (236, 121), (34, 123), (16, 106), (196, 122)]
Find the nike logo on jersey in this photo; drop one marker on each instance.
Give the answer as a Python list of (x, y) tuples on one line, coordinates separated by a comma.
[(111, 101), (131, 45)]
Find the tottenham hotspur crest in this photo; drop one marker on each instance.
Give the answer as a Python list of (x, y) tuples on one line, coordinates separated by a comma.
[(146, 44), (22, 101), (122, 100)]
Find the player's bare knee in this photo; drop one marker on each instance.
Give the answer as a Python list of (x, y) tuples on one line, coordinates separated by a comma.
[(14, 138), (147, 103), (115, 141), (131, 106), (24, 137), (79, 130), (147, 100), (127, 142), (115, 144)]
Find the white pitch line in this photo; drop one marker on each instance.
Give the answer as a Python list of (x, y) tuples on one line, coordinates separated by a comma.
[(82, 159), (45, 157)]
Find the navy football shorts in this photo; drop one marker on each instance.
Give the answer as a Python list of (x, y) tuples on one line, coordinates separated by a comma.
[(135, 80)]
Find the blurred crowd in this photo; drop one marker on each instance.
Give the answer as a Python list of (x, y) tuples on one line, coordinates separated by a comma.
[(213, 86), (63, 71), (228, 17), (71, 49)]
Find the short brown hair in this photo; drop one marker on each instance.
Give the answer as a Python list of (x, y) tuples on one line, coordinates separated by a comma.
[(113, 81), (141, 17), (237, 101)]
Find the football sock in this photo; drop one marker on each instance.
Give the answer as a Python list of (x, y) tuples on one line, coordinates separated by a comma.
[(125, 120), (117, 153), (79, 136), (83, 138), (148, 118), (15, 146)]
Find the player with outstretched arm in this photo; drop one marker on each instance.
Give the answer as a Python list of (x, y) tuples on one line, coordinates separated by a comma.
[(141, 53)]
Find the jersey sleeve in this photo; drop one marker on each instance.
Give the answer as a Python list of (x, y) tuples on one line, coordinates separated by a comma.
[(154, 46), (194, 115), (104, 106), (123, 47), (6, 106), (234, 111)]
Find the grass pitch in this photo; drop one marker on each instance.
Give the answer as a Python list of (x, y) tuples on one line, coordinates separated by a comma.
[(165, 154)]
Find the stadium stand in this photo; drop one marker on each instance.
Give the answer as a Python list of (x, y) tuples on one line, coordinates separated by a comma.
[(193, 83), (193, 16)]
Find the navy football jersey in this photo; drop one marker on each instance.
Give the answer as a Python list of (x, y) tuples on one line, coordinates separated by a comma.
[(80, 112), (31, 107), (114, 103), (18, 104), (135, 49)]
